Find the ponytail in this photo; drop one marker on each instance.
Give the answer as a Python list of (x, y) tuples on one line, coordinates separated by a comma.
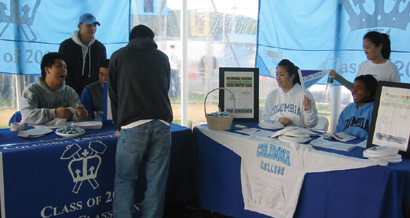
[(386, 46)]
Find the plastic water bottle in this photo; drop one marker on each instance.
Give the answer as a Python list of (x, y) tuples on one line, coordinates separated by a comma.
[(329, 87)]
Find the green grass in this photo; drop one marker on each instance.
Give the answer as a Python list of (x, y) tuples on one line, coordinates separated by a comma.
[(197, 98), (178, 122), (191, 98), (324, 109), (262, 103)]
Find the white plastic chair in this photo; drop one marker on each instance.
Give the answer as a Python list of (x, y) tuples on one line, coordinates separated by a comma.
[(322, 124)]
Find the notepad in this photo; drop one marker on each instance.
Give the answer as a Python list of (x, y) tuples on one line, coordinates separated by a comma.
[(342, 136)]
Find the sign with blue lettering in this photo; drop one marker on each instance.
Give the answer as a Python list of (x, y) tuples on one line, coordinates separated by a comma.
[(391, 117), (323, 35)]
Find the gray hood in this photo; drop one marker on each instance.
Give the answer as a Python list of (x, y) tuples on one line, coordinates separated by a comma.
[(43, 85), (84, 49)]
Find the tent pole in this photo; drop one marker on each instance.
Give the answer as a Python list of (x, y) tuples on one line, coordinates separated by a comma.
[(335, 107), (184, 64), (19, 89), (158, 16)]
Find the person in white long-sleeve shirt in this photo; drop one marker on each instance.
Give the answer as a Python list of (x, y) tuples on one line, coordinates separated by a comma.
[(290, 104), (377, 48)]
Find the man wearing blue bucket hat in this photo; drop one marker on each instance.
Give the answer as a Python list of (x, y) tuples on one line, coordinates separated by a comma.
[(84, 54)]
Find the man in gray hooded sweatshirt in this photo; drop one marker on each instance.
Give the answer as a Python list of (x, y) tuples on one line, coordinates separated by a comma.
[(84, 54), (49, 98)]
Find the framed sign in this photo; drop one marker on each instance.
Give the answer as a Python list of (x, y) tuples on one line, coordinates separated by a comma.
[(244, 83), (391, 117)]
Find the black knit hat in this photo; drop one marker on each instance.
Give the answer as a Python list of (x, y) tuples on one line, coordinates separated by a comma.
[(141, 31)]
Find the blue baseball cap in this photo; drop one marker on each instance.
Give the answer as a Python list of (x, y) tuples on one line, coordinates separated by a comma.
[(88, 19)]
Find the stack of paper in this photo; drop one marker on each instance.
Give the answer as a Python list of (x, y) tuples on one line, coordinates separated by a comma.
[(321, 142), (255, 132), (88, 124), (34, 133)]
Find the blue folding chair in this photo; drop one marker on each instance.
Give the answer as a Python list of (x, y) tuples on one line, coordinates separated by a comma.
[(16, 118)]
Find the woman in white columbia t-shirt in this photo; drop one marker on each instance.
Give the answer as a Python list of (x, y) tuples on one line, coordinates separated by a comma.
[(377, 49), (290, 104)]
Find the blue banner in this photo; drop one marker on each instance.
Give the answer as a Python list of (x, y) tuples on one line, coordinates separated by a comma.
[(31, 28), (322, 35)]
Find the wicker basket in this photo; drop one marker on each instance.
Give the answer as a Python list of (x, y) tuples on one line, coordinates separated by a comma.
[(219, 123)]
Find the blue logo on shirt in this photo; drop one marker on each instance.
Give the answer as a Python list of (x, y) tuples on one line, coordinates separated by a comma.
[(274, 153)]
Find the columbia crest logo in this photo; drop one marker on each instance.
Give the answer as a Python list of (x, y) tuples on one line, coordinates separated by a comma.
[(84, 163), (23, 17), (366, 14)]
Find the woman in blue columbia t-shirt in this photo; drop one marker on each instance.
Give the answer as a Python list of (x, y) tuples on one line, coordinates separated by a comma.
[(355, 119)]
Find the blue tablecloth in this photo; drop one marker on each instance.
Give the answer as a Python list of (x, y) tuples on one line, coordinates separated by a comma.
[(53, 176), (367, 192)]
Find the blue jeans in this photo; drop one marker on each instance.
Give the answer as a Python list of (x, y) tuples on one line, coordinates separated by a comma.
[(149, 143)]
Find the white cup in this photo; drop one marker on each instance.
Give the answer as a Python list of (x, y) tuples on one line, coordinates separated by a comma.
[(16, 126)]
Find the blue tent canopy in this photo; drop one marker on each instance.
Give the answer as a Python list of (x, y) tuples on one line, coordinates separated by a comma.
[(31, 28), (322, 35)]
